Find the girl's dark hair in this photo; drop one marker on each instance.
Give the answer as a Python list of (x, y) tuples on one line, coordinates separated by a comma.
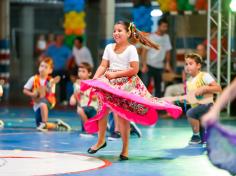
[(196, 57), (136, 35)]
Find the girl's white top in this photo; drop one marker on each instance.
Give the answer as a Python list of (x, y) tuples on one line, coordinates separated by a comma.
[(122, 60)]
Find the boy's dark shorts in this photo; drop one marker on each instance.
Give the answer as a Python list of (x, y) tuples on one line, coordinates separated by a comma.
[(90, 111), (199, 111)]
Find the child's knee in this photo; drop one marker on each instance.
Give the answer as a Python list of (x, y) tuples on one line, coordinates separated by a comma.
[(189, 113), (43, 106)]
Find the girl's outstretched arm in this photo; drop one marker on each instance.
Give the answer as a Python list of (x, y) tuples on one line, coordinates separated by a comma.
[(227, 95)]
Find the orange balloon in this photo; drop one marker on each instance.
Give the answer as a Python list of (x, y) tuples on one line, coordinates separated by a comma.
[(201, 5), (173, 5), (68, 31), (79, 31)]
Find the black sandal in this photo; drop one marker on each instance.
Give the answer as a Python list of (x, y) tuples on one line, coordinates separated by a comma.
[(92, 151), (122, 158)]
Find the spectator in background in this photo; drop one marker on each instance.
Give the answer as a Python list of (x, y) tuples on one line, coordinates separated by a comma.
[(213, 53), (60, 55), (50, 39), (81, 53), (201, 50), (41, 44), (155, 61)]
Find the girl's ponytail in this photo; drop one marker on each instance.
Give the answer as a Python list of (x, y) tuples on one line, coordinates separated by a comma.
[(141, 37)]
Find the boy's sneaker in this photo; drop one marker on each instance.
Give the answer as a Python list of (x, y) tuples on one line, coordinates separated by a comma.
[(195, 140), (63, 125), (42, 127), (135, 130), (1, 124), (114, 136)]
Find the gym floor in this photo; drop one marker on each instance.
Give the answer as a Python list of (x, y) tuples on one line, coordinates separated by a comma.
[(163, 149)]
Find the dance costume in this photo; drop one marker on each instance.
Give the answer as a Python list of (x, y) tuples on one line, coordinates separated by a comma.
[(127, 96), (50, 96)]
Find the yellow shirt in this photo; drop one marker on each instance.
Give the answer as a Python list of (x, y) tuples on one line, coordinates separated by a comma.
[(201, 79)]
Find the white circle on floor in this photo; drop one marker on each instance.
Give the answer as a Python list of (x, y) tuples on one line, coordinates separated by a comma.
[(18, 162)]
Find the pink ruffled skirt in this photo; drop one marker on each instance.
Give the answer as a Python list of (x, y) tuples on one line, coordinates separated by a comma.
[(129, 98)]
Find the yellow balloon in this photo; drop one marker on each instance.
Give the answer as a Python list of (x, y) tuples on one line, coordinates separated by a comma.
[(74, 20), (164, 5)]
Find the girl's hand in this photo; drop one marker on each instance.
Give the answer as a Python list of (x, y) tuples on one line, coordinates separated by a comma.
[(110, 75)]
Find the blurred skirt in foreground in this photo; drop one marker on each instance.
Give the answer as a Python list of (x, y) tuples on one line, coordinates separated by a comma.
[(221, 144)]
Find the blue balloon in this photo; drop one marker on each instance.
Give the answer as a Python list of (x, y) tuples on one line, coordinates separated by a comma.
[(142, 18), (74, 5)]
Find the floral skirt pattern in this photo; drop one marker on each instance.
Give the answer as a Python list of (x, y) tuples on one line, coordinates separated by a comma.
[(129, 98)]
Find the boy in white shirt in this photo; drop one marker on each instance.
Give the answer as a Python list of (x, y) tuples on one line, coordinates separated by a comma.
[(41, 89)]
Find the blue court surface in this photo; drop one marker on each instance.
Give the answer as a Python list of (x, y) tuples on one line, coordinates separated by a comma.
[(163, 149)]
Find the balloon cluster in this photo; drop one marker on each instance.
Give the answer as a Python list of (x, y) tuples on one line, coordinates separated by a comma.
[(74, 23), (142, 18), (182, 5)]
